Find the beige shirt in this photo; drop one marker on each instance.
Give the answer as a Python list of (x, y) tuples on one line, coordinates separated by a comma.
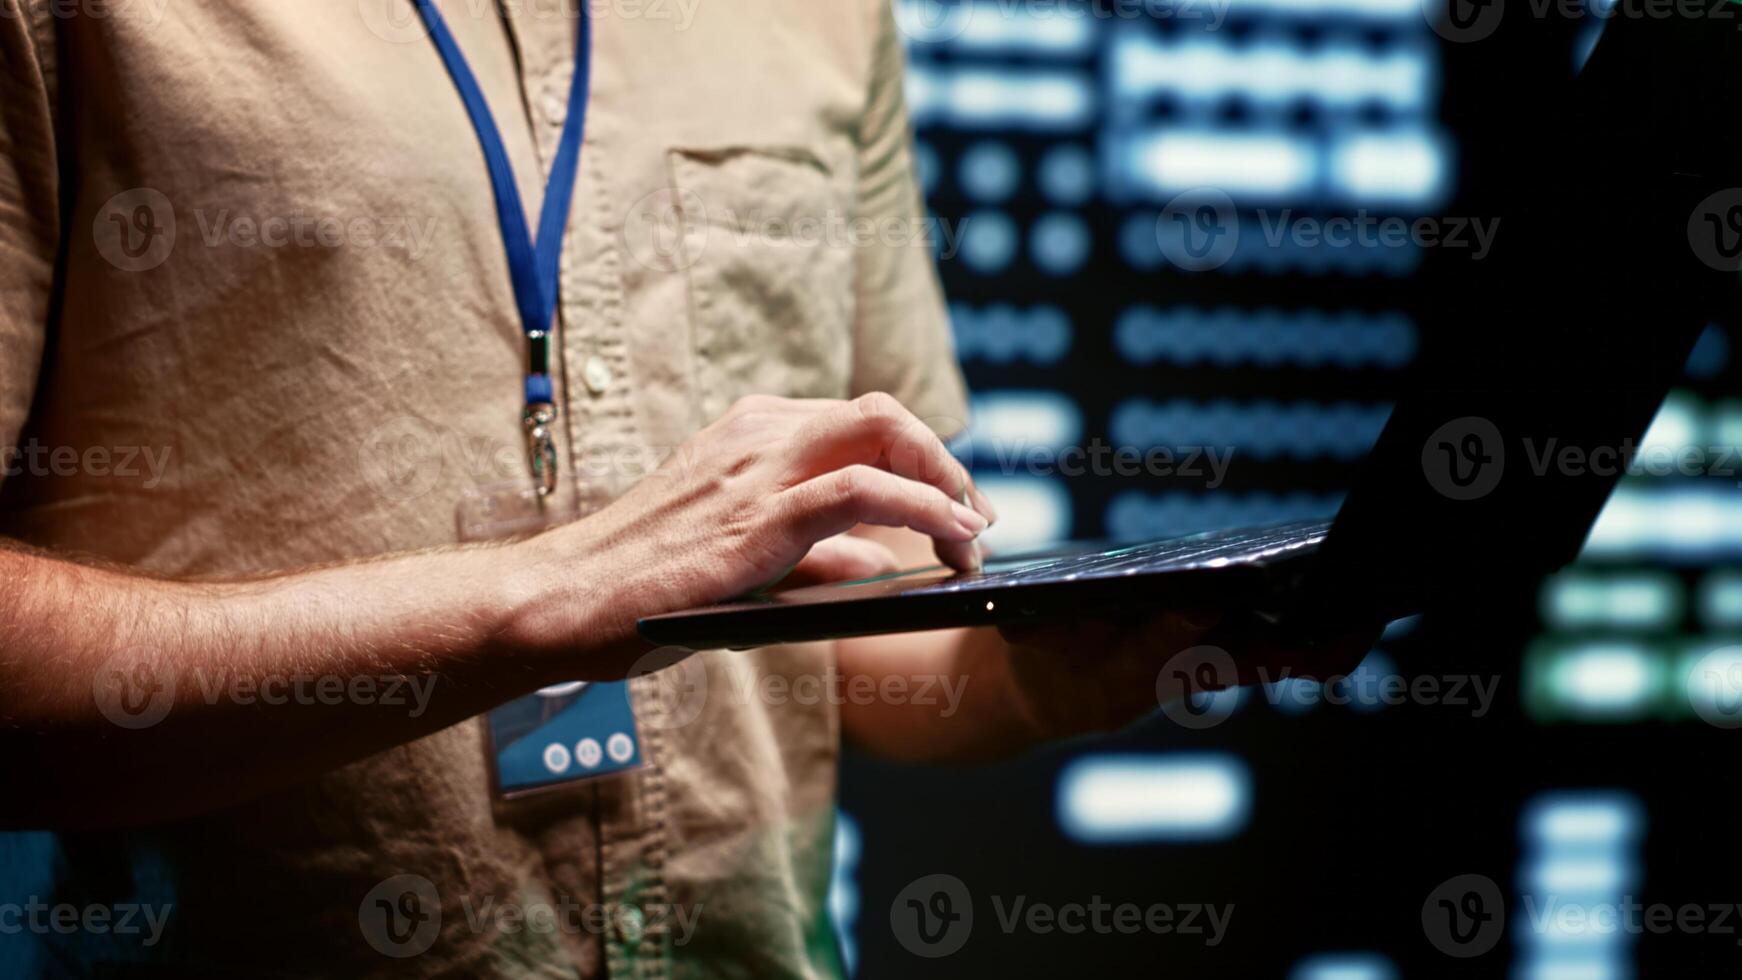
[(255, 313)]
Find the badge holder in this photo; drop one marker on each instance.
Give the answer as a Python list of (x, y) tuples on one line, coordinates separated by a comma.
[(566, 733)]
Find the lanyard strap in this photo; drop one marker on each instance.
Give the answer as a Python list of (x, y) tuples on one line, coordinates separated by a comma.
[(533, 264)]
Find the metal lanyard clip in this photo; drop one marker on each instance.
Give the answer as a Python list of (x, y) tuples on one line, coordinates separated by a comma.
[(540, 445)]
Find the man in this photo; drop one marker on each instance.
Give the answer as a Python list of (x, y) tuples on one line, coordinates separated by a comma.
[(250, 249)]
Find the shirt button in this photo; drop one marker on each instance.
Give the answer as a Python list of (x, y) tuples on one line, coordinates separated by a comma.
[(556, 96), (630, 924), (597, 375)]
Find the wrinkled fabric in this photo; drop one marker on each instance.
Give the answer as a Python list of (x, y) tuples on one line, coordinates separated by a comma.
[(255, 314)]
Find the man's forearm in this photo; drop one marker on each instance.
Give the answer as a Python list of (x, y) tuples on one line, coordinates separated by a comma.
[(126, 699), (975, 712), (978, 717)]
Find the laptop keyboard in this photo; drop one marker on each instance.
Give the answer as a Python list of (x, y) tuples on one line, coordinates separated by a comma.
[(1212, 550)]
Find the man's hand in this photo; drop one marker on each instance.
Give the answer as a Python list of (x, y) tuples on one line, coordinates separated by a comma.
[(765, 489), (1022, 686), (467, 628)]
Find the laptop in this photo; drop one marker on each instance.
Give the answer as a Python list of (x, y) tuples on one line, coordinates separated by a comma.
[(1560, 347)]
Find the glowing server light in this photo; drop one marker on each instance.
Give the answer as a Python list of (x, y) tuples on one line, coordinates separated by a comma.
[(1134, 516), (1711, 679), (1008, 425), (1580, 855), (1669, 522), (1614, 679), (1675, 427), (1257, 430), (1207, 70), (1241, 164), (988, 241), (1581, 600), (1405, 10), (1344, 966), (1033, 511), (1121, 799), (1560, 965), (1582, 822), (1059, 243), (1051, 30), (989, 172), (1579, 875), (1002, 333), (1726, 421), (1407, 168), (1267, 337), (1721, 600), (999, 98), (1067, 175), (844, 888)]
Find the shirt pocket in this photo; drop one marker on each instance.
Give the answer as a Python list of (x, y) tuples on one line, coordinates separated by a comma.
[(770, 272)]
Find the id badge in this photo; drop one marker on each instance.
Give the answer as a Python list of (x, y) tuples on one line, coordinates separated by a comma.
[(565, 733)]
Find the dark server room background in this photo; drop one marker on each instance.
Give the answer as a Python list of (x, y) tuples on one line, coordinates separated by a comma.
[(1569, 749)]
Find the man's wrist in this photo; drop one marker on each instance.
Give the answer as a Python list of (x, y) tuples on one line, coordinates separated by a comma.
[(559, 614)]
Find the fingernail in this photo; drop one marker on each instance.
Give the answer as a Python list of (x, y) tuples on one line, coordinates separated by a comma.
[(970, 519), (984, 506)]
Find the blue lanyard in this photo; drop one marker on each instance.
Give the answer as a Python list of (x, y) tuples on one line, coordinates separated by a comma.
[(533, 264)]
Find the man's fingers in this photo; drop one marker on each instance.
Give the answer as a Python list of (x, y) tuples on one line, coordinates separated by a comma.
[(834, 502), (875, 430), (842, 558)]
